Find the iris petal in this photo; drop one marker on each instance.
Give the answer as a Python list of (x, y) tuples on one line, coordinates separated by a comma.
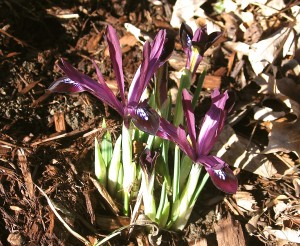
[(65, 85), (220, 173), (145, 118)]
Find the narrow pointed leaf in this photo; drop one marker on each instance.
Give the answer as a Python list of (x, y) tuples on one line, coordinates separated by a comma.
[(100, 167), (114, 167)]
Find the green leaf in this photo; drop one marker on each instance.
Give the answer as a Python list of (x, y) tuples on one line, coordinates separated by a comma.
[(114, 167), (198, 89), (106, 145), (100, 167), (185, 83)]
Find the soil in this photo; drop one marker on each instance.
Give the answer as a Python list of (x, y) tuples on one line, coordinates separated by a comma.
[(34, 151)]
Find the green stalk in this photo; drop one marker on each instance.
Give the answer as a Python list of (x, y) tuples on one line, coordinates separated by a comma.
[(163, 209), (185, 171), (129, 167), (119, 189), (100, 167), (114, 167), (198, 89), (106, 145), (185, 82), (176, 176), (188, 197)]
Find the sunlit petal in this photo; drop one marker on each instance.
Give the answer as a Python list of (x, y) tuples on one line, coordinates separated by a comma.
[(144, 118), (220, 174), (65, 85), (116, 57), (189, 116)]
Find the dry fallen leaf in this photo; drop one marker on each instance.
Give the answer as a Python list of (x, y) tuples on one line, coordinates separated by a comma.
[(184, 11), (286, 234), (284, 137), (265, 51), (236, 151), (245, 201)]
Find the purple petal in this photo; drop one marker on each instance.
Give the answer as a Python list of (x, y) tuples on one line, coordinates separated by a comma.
[(189, 116), (186, 36), (65, 85), (213, 123), (138, 84), (79, 82), (168, 48), (99, 74), (184, 144), (116, 58), (177, 135), (151, 62), (220, 173), (144, 118)]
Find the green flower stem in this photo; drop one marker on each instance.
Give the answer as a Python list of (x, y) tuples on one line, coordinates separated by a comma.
[(198, 89), (163, 209), (129, 167), (188, 198)]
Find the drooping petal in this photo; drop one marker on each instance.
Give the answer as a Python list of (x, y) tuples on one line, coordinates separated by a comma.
[(177, 135), (189, 116), (116, 58), (65, 85), (220, 173), (167, 130), (78, 82), (212, 124), (144, 117)]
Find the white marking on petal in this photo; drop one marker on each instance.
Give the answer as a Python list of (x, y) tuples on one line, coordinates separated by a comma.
[(220, 173), (141, 113)]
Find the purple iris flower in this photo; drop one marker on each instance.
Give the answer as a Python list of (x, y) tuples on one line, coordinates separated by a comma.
[(198, 148), (195, 45), (155, 54)]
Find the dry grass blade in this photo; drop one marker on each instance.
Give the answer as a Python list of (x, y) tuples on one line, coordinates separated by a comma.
[(52, 206)]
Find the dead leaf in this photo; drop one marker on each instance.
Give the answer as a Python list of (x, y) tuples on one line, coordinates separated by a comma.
[(290, 88), (237, 152), (285, 234), (266, 114), (245, 201), (296, 183), (284, 137), (184, 11), (266, 50)]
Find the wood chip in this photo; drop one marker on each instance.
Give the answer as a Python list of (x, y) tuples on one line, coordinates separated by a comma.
[(229, 232)]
